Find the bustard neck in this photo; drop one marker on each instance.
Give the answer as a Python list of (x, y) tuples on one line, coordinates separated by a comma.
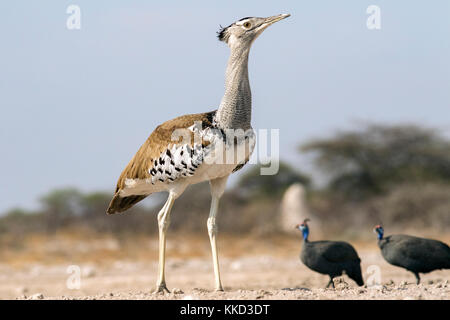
[(236, 106)]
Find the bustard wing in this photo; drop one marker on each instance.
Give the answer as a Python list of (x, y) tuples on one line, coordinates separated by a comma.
[(162, 159)]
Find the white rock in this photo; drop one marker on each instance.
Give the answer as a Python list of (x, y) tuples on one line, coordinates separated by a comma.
[(294, 210)]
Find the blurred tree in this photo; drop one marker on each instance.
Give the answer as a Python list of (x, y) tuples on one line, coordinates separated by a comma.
[(60, 206), (254, 184), (365, 162), (94, 204), (64, 202), (135, 220)]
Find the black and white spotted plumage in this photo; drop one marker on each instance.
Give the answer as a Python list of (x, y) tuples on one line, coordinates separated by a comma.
[(170, 163), (177, 162)]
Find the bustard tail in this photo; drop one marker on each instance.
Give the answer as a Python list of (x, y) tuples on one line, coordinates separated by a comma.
[(120, 204)]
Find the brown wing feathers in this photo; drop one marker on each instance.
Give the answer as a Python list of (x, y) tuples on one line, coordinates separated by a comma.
[(148, 155)]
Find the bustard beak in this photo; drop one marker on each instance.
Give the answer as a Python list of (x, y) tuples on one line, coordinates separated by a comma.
[(271, 20)]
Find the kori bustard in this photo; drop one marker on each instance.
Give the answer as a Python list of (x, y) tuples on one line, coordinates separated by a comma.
[(195, 147)]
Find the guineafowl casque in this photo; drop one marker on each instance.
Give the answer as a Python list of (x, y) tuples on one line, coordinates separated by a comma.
[(330, 257), (418, 255)]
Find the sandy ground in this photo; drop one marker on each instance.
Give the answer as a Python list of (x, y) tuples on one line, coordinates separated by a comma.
[(258, 274)]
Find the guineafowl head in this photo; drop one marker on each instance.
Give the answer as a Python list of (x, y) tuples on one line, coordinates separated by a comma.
[(303, 227), (379, 231)]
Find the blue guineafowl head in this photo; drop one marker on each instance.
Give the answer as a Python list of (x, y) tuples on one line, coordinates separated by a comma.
[(304, 228), (379, 231)]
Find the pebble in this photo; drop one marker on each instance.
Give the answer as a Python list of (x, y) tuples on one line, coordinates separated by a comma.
[(37, 296), (22, 290), (177, 291)]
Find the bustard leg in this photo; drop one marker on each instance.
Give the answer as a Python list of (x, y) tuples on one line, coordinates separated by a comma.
[(163, 224), (217, 189)]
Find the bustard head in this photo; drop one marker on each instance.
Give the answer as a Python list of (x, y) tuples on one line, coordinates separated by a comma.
[(246, 30)]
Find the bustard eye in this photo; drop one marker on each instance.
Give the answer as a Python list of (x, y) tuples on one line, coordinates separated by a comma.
[(247, 25)]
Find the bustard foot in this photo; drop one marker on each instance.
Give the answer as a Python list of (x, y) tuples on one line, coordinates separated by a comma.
[(219, 289), (161, 289)]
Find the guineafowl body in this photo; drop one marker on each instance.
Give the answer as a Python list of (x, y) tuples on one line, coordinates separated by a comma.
[(332, 258), (418, 255)]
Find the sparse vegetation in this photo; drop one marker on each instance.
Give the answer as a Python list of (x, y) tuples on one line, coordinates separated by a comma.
[(373, 160), (398, 175)]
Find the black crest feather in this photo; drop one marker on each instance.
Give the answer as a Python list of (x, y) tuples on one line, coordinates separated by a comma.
[(222, 33)]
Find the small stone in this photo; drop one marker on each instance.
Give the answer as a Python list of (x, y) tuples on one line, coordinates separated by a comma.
[(37, 296), (385, 289), (88, 272), (236, 265), (177, 291), (22, 290)]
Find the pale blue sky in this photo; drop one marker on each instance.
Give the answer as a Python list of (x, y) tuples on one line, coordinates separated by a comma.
[(76, 105)]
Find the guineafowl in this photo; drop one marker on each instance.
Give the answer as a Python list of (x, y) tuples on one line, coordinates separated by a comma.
[(418, 255), (330, 257)]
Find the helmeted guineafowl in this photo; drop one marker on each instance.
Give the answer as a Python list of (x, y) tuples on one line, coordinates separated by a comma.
[(418, 255), (330, 257)]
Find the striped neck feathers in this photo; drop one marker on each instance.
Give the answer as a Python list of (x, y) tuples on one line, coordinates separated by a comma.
[(236, 106)]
